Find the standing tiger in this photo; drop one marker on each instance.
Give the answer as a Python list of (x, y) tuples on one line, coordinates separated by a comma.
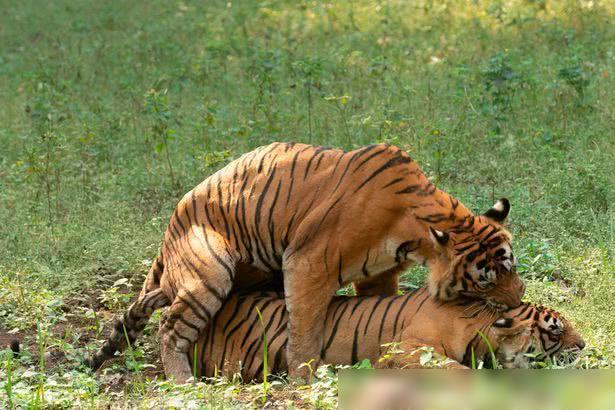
[(314, 219), (356, 328)]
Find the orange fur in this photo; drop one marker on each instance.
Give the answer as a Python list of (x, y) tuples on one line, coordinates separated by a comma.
[(314, 219), (356, 328)]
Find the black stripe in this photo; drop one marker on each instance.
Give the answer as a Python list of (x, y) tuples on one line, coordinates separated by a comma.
[(256, 318), (421, 305), (375, 154), (397, 160), (433, 218), (318, 162), (364, 267), (356, 305), (235, 311), (176, 215), (369, 319), (271, 225), (226, 266), (527, 305), (354, 357), (483, 229), (410, 189), (193, 197), (384, 317), (256, 343), (188, 324), (493, 232), (221, 207), (393, 182), (309, 164), (333, 331), (292, 180), (408, 296), (465, 248), (202, 313)]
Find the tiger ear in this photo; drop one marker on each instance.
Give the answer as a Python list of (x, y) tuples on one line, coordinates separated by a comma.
[(499, 211), (506, 327), (438, 237), (503, 322)]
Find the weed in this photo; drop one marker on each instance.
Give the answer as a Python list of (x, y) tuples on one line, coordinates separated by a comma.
[(309, 70), (500, 82), (265, 355), (494, 360), (8, 384), (43, 156), (157, 106), (342, 106)]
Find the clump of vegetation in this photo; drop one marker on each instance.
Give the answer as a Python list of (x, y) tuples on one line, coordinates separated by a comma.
[(500, 81), (157, 105)]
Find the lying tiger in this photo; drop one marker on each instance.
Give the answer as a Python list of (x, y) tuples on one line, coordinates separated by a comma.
[(356, 328), (314, 219)]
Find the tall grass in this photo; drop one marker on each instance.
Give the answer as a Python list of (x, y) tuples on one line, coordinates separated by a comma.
[(265, 355)]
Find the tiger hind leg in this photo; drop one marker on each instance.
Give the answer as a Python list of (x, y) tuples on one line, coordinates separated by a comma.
[(197, 300), (129, 327), (183, 323)]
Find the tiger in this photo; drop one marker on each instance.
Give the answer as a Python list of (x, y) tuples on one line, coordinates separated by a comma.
[(313, 219), (390, 331)]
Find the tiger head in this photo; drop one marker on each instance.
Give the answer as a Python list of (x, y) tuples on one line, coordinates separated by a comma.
[(475, 259), (534, 333)]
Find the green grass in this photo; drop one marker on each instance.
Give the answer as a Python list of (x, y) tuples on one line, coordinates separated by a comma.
[(493, 98)]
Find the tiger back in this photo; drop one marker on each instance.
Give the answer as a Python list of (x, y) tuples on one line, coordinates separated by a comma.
[(358, 328)]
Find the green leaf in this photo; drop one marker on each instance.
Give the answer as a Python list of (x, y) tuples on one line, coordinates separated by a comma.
[(425, 358)]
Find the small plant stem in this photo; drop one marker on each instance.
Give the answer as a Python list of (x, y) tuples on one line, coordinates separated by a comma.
[(346, 129), (46, 179), (41, 381), (126, 336), (194, 364), (309, 98), (493, 358), (168, 156), (265, 364), (9, 380)]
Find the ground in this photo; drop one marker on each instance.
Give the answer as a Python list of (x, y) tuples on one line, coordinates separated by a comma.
[(110, 111)]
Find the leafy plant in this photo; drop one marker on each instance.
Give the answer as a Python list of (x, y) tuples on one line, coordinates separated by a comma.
[(43, 156), (116, 296), (341, 103), (156, 104), (212, 160), (309, 70), (8, 384), (500, 83), (576, 75)]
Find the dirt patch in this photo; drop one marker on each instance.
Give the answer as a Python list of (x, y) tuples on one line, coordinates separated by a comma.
[(6, 338)]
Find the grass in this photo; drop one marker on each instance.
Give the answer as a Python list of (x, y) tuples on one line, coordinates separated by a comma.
[(109, 112)]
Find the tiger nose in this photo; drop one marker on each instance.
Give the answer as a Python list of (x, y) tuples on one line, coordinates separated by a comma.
[(581, 344)]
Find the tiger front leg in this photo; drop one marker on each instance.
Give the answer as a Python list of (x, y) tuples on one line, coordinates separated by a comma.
[(308, 293), (383, 284)]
